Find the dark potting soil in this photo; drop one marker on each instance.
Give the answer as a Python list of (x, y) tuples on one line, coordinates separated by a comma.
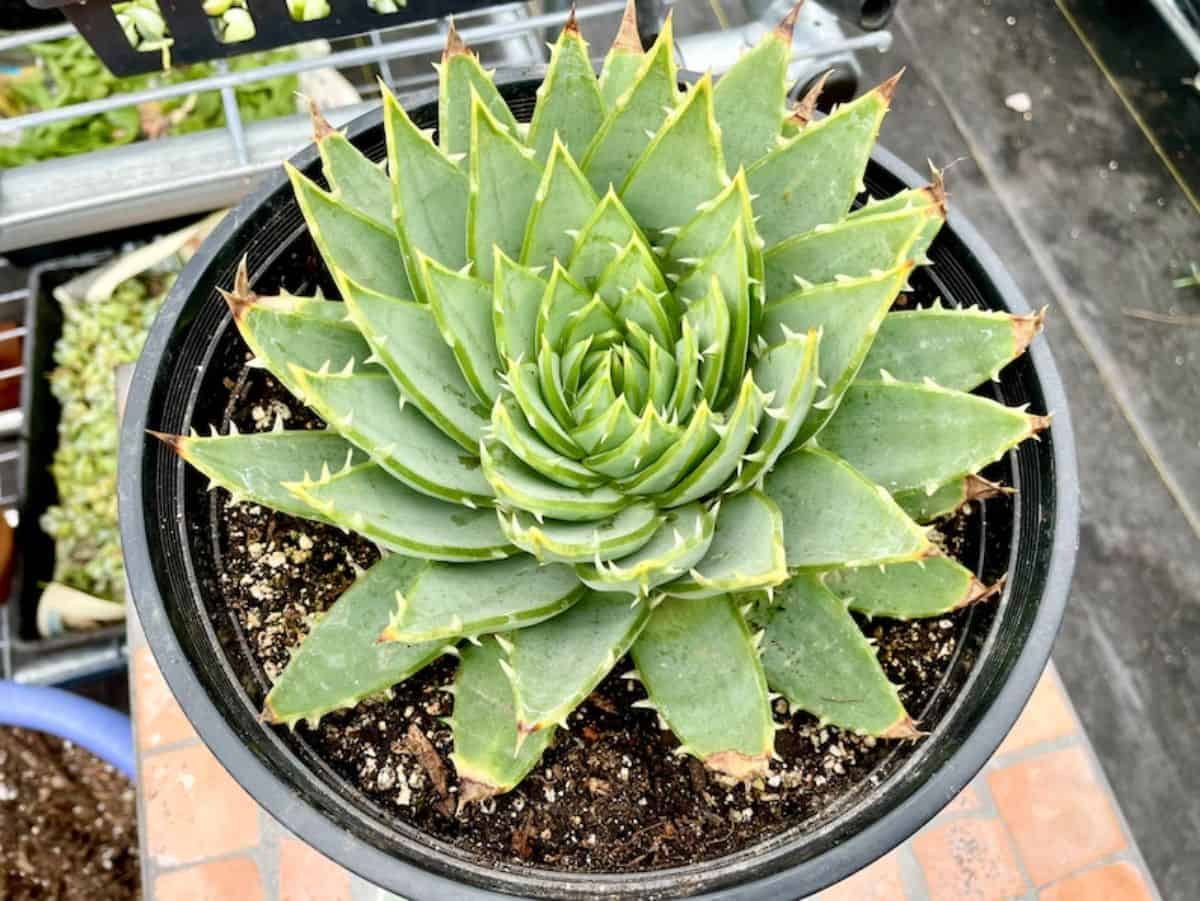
[(68, 822), (609, 795)]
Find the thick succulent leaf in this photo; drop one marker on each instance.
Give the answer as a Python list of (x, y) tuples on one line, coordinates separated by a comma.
[(700, 436), (554, 665), (637, 116), (511, 429), (847, 314), (608, 430), (287, 331), (708, 314), (525, 384), (561, 207), (550, 375), (450, 600), (569, 104), (462, 308), (788, 373), (572, 365), (959, 349), (575, 542), (428, 191), (594, 320), (462, 78), (709, 229), (750, 99), (504, 180), (658, 191), (484, 727), (634, 266), (680, 543), (664, 373), (516, 297), (696, 657), (907, 590), (562, 303), (811, 179), (351, 244), (723, 461), (687, 369), (367, 409), (649, 440), (747, 550), (598, 394), (906, 436), (254, 467), (368, 500), (623, 60), (355, 180), (609, 229), (405, 338), (853, 248), (523, 488), (341, 661), (948, 498), (644, 307), (833, 516), (815, 655)]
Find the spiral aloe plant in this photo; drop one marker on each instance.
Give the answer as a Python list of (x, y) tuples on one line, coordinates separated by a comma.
[(623, 379)]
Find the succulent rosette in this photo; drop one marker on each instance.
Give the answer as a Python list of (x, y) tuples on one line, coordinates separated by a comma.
[(623, 379)]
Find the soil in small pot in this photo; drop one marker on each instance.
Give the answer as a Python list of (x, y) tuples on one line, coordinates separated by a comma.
[(68, 822), (609, 795)]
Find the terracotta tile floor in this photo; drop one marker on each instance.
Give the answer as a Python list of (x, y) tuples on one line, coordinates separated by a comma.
[(1039, 822)]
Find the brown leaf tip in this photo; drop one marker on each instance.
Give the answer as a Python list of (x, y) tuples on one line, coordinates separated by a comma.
[(980, 489), (472, 792), (904, 728), (787, 25), (936, 189), (977, 592), (268, 714), (571, 26), (1040, 423), (174, 442), (804, 111), (320, 125), (738, 765), (241, 298), (455, 45), (888, 88), (627, 33), (1026, 328)]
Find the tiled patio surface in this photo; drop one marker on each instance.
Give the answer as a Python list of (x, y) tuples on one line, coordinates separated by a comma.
[(1039, 822)]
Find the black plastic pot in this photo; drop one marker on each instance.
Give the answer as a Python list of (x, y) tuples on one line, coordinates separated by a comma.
[(168, 546)]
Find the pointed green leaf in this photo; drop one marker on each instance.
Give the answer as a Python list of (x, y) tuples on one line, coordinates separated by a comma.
[(695, 657), (723, 461), (907, 436), (428, 191), (645, 307), (687, 368), (747, 550), (568, 101), (562, 303), (637, 116), (341, 661), (353, 179), (254, 467), (462, 308), (709, 316), (484, 726), (658, 191), (607, 231), (646, 444), (815, 655), (907, 590), (853, 248), (958, 349), (351, 244), (516, 297), (948, 498), (931, 197), (555, 665), (462, 78), (709, 229), (524, 383), (634, 266), (833, 516), (367, 500), (698, 439), (788, 373), (367, 409), (847, 314), (406, 339), (811, 179), (451, 600), (623, 60), (594, 320), (750, 99), (525, 489), (512, 430), (561, 207), (680, 543), (576, 542), (608, 430), (504, 180)]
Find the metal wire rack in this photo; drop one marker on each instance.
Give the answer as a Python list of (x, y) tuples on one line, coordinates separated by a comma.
[(155, 180)]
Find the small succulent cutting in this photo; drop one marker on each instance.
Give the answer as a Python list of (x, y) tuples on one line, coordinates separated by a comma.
[(622, 379)]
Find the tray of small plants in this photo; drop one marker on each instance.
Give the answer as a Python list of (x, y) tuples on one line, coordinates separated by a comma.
[(139, 36), (87, 318)]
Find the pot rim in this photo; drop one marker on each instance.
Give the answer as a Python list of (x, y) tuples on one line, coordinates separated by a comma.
[(786, 879)]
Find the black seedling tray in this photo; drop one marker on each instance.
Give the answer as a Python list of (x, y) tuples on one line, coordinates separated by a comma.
[(196, 39), (37, 491)]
